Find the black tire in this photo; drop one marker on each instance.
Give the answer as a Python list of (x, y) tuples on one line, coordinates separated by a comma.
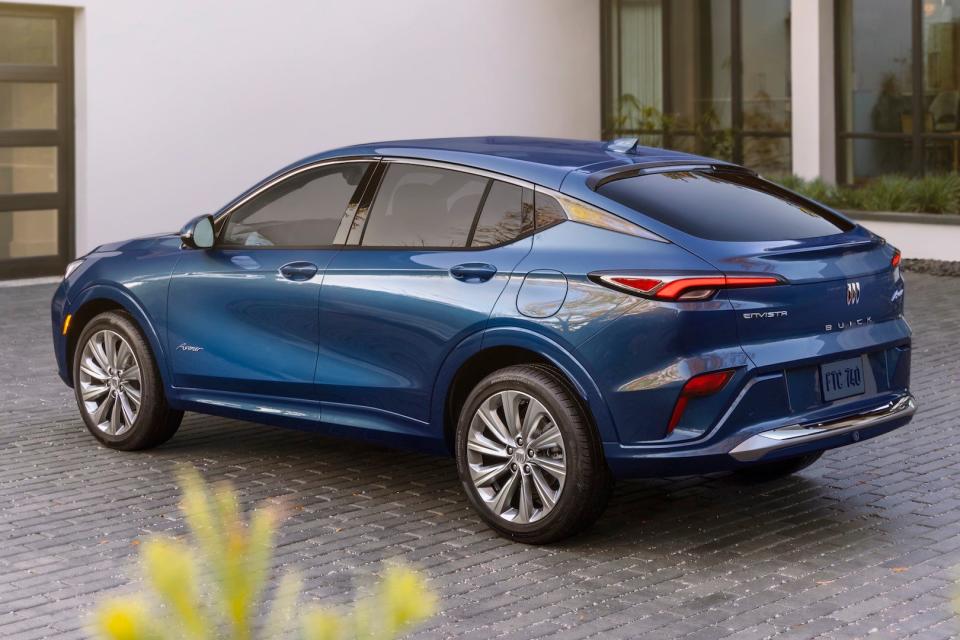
[(587, 484), (767, 471), (155, 421)]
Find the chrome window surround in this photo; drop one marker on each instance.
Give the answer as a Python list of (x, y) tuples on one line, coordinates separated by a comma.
[(286, 176), (616, 223)]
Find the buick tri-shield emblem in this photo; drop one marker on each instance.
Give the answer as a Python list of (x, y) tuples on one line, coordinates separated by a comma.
[(853, 292)]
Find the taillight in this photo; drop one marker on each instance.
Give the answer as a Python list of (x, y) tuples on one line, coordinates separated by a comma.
[(705, 384), (895, 260), (682, 288)]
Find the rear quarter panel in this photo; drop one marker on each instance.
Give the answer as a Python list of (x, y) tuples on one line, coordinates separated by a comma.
[(637, 352)]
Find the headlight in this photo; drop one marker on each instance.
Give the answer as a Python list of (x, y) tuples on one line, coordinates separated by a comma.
[(72, 267)]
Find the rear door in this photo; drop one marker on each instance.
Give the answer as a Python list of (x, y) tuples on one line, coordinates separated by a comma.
[(839, 286), (423, 267)]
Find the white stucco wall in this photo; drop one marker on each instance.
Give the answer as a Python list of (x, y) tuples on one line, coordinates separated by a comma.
[(182, 104), (920, 241)]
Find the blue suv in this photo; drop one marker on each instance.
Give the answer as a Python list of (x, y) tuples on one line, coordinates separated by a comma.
[(553, 313)]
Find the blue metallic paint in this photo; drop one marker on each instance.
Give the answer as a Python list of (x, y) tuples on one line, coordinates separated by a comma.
[(369, 345)]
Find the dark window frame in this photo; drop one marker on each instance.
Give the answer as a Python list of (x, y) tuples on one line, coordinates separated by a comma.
[(736, 82), (918, 135), (63, 200)]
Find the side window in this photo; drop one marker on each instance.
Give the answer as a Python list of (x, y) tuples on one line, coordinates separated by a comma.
[(418, 206), (549, 211), (302, 211), (505, 216)]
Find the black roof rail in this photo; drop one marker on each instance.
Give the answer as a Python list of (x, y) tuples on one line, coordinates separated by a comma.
[(600, 178)]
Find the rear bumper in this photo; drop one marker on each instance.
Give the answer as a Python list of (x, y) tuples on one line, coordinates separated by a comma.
[(765, 442), (760, 445)]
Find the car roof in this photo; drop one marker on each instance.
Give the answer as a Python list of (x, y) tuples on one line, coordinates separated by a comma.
[(543, 161)]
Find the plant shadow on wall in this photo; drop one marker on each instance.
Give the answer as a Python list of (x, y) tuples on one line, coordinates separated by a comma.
[(212, 589)]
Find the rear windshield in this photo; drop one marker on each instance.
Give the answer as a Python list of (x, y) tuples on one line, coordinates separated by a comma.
[(724, 206)]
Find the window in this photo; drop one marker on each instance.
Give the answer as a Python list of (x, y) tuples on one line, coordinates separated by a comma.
[(36, 140), (900, 102), (704, 76), (419, 206), (724, 206), (549, 211), (302, 211), (506, 215)]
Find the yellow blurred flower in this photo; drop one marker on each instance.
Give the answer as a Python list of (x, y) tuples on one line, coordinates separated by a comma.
[(213, 588)]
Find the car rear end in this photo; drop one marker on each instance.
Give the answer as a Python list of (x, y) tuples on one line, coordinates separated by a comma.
[(816, 304)]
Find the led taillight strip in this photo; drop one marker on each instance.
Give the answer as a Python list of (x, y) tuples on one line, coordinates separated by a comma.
[(684, 288)]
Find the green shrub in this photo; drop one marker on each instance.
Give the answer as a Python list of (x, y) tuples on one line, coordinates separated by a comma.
[(213, 589), (929, 194)]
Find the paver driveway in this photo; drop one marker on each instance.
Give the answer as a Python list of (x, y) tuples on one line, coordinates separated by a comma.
[(863, 542)]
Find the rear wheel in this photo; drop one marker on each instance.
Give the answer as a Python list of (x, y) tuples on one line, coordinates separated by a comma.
[(766, 471), (118, 386), (528, 458)]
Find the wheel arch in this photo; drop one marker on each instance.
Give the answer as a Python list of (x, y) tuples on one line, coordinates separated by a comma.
[(100, 298), (493, 349)]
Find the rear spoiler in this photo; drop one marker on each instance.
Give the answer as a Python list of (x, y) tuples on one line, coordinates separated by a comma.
[(600, 178)]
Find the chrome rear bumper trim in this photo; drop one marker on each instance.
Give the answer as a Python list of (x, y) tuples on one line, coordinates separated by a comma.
[(757, 446)]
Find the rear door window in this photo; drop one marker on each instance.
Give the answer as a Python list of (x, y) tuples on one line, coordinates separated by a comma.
[(506, 215), (419, 206), (725, 206)]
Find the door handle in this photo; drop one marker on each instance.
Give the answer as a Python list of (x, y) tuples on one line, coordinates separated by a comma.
[(299, 271), (473, 272)]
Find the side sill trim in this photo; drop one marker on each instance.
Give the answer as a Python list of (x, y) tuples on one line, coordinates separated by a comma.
[(757, 446)]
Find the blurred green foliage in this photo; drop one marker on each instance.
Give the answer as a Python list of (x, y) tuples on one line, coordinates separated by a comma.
[(927, 194), (213, 589)]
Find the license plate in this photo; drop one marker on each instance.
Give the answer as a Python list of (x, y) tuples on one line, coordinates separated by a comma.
[(841, 379)]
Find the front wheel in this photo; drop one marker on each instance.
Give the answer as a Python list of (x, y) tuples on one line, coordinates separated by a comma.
[(118, 386), (528, 458)]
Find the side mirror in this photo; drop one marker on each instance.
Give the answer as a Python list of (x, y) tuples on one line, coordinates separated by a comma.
[(198, 233)]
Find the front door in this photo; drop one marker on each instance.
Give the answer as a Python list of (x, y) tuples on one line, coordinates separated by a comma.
[(242, 316), (423, 270)]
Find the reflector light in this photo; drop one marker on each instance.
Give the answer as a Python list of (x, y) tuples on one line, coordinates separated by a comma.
[(704, 384), (66, 323), (895, 261), (646, 285)]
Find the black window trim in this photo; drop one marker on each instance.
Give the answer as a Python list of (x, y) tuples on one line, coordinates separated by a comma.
[(220, 219), (919, 136), (734, 71)]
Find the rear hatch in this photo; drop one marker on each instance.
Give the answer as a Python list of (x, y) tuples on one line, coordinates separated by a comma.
[(840, 293)]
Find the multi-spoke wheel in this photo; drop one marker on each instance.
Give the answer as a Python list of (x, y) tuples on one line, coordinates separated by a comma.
[(118, 387), (110, 383), (516, 457), (528, 458)]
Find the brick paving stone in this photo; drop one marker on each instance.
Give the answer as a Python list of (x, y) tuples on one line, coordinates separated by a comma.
[(864, 543)]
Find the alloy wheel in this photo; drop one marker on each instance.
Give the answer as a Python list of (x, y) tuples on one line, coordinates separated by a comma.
[(516, 456), (110, 382)]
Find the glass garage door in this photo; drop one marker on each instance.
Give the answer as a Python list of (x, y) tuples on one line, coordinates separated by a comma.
[(36, 140)]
